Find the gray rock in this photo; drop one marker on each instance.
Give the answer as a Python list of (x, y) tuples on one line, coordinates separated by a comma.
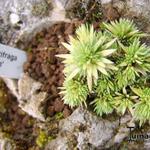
[(141, 7), (14, 18), (88, 132), (105, 1), (67, 3), (12, 85), (147, 144), (6, 31), (20, 20), (121, 132), (27, 87), (30, 100), (132, 7), (64, 2)]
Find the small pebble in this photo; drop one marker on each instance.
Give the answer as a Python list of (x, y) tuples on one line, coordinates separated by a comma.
[(14, 18)]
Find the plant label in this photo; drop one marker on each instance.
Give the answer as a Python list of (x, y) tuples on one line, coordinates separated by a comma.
[(11, 62)]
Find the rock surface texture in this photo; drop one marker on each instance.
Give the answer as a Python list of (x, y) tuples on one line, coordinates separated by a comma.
[(20, 20), (141, 7), (30, 100), (84, 130)]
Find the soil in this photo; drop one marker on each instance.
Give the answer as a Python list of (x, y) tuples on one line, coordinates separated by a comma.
[(43, 66)]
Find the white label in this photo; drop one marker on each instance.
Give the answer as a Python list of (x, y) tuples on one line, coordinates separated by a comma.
[(11, 62)]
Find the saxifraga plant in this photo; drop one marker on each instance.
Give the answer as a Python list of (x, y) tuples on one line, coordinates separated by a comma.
[(88, 54), (135, 61), (142, 107), (124, 101), (124, 30), (103, 104), (75, 92), (95, 65)]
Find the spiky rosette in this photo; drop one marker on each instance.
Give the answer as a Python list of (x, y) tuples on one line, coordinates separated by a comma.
[(88, 54), (104, 84), (142, 108), (103, 104), (124, 101), (90, 69), (124, 30), (135, 61), (74, 92)]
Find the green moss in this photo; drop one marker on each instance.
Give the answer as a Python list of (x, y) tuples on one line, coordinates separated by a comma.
[(59, 116), (43, 139)]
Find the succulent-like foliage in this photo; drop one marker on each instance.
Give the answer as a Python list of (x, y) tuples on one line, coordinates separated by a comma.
[(107, 65), (126, 77), (124, 30), (124, 101), (88, 54), (135, 61), (75, 92), (137, 55), (104, 85), (142, 108), (103, 104)]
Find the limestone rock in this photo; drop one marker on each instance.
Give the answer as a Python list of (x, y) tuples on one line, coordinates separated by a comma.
[(22, 20), (84, 130), (67, 3), (105, 1), (27, 87), (30, 100), (141, 7), (14, 18), (12, 85), (26, 91)]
